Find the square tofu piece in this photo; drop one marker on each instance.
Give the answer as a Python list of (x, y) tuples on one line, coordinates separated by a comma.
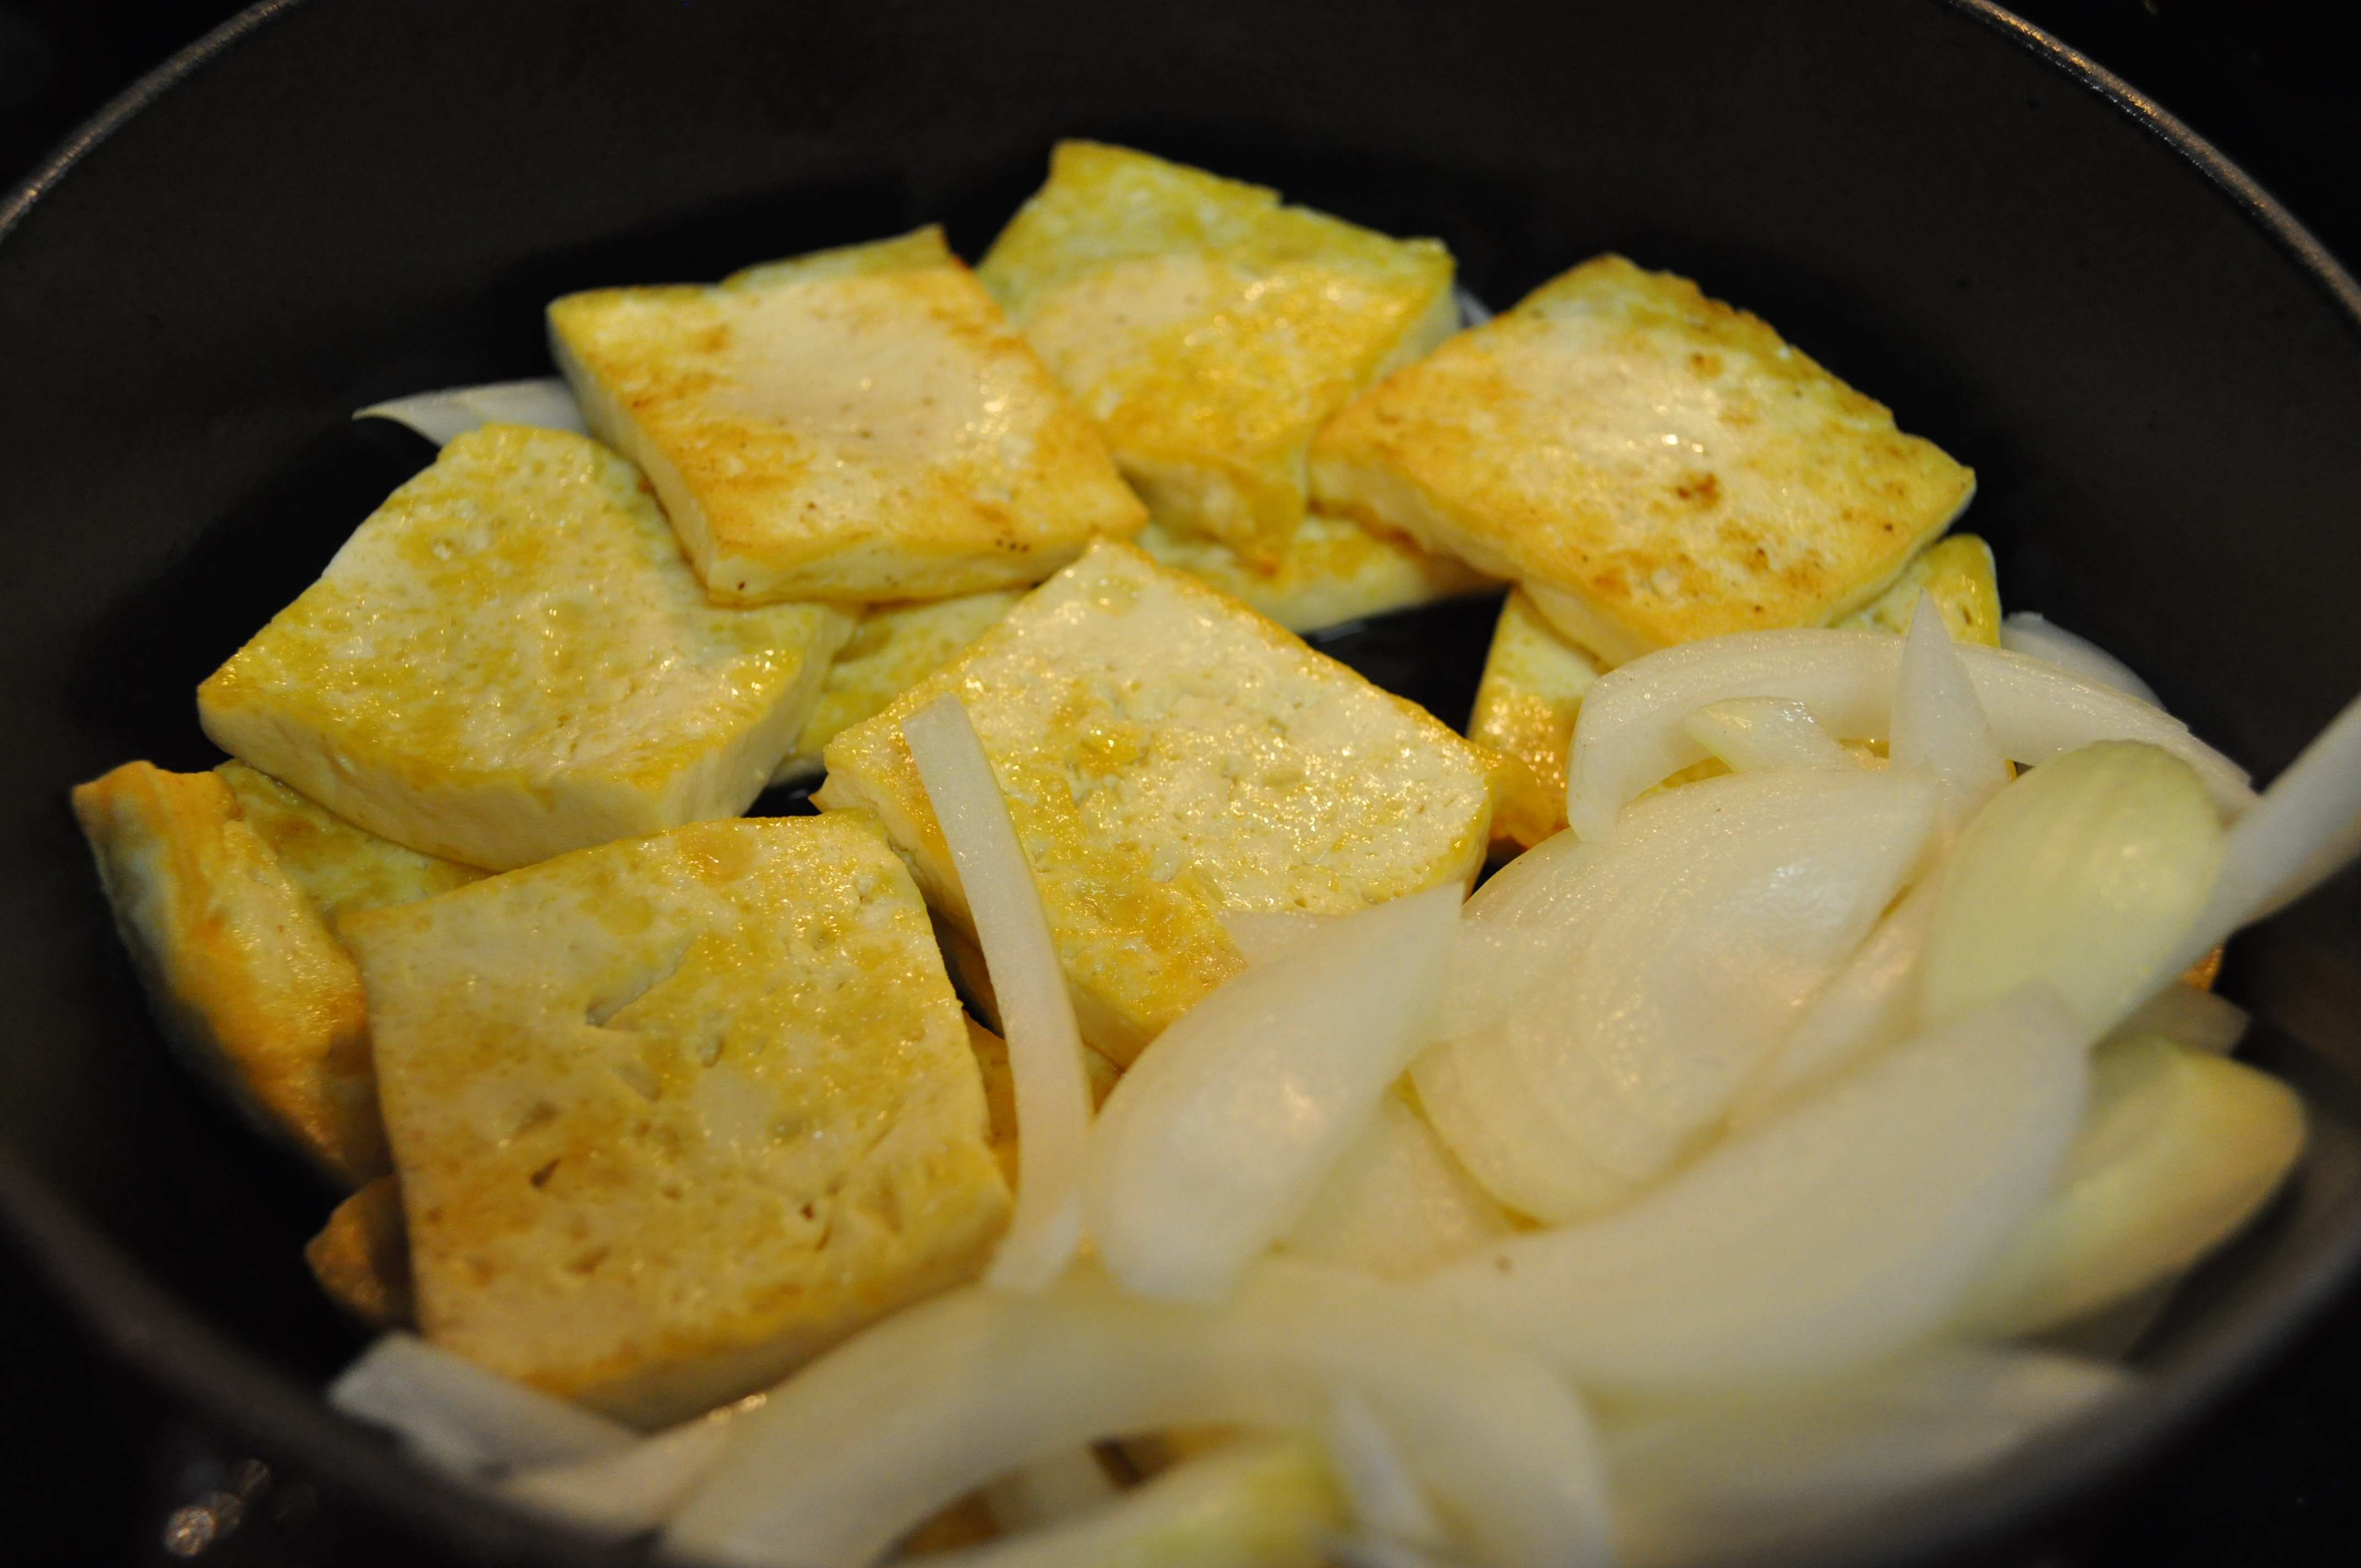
[(1653, 465), (510, 659), (1958, 572), (894, 648), (1525, 708), (858, 425), (226, 887), (1209, 330), (672, 1116), (1331, 571), (1169, 756)]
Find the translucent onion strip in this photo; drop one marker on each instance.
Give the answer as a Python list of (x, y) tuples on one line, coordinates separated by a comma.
[(2306, 829), (1052, 1487), (632, 1490), (1219, 1136), (2187, 1016), (2036, 637), (2178, 1149), (1045, 1049), (865, 1442), (1386, 1499), (1939, 727), (1397, 1203), (1264, 1501), (1750, 733), (460, 1418), (1820, 1240), (1631, 734), (546, 403), (1720, 1481)]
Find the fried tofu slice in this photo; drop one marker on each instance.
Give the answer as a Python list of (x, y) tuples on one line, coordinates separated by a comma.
[(859, 426), (361, 1257), (894, 648), (1958, 570), (1653, 466), (1209, 330), (1534, 679), (226, 886), (1169, 755), (1526, 703), (676, 1114), (1332, 570), (510, 659)]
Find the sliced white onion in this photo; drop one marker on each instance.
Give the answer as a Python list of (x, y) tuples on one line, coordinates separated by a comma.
[(1715, 1482), (1385, 1497), (861, 1445), (1939, 727), (443, 417), (2039, 638), (2306, 829), (1220, 1134), (1668, 969), (1397, 1203), (2186, 1016), (2178, 1150), (460, 1418), (1473, 312), (1261, 935), (1630, 736), (2085, 874), (1045, 1049), (1056, 1486), (1822, 1239), (1750, 733), (1268, 1502), (632, 1490), (1871, 1004)]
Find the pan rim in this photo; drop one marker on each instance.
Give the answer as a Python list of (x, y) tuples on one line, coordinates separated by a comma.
[(141, 1324)]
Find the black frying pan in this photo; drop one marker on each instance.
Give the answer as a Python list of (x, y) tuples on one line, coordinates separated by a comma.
[(2154, 371)]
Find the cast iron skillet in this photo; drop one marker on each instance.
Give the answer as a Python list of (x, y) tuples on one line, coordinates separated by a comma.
[(2154, 371)]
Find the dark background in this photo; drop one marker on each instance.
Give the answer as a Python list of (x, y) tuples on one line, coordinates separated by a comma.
[(91, 1468)]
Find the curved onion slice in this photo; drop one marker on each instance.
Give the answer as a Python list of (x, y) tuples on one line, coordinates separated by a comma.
[(1396, 1203), (2306, 829), (1715, 1481), (1045, 1049), (1873, 1003), (1630, 736), (1261, 935), (1938, 726), (1219, 1136), (1822, 1239), (2036, 637), (863, 1444), (1750, 733), (1670, 968), (2085, 873), (443, 417), (2178, 1150), (1266, 1501), (1386, 1499), (458, 1417), (632, 1490)]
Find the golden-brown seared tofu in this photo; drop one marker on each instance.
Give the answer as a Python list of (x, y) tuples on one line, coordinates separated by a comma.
[(361, 1256), (676, 1114), (510, 659), (1653, 465), (1209, 329), (1525, 707), (894, 647), (226, 886), (1332, 570), (1169, 755), (859, 426), (1958, 572)]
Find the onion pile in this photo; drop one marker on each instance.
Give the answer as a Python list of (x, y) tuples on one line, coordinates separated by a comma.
[(1680, 1188)]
